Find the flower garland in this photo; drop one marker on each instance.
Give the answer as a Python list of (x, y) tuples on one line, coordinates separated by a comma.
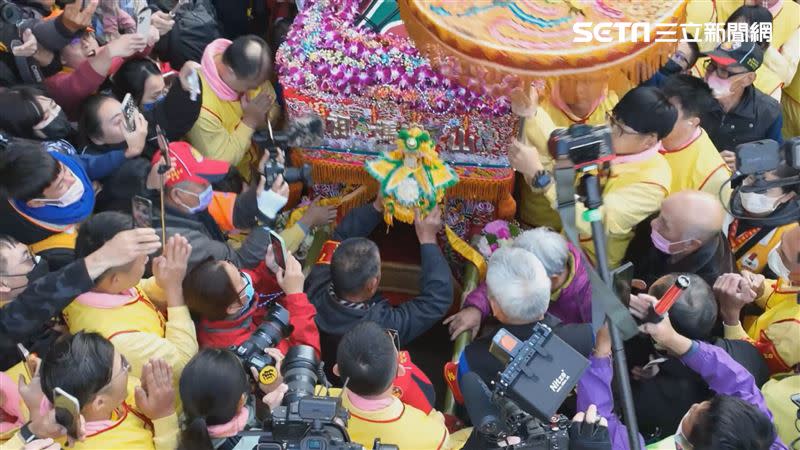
[(496, 234), (325, 52)]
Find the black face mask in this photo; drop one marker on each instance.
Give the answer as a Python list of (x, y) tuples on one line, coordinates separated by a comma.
[(58, 128), (671, 68)]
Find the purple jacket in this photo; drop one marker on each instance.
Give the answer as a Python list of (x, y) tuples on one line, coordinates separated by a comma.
[(574, 302), (723, 375)]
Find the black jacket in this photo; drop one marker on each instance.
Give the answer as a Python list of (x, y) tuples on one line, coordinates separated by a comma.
[(26, 318), (209, 241), (662, 401), (176, 115), (751, 120), (410, 319), (479, 360), (649, 264)]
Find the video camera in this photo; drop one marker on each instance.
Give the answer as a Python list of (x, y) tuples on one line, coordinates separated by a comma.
[(583, 145), (306, 421), (269, 142), (251, 352), (539, 374)]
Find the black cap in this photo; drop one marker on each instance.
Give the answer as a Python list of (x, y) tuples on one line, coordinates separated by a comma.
[(734, 53)]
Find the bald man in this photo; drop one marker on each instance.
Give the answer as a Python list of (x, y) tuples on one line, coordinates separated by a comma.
[(684, 237)]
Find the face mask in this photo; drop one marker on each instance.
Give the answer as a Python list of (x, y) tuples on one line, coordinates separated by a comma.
[(662, 244), (671, 67), (720, 88), (681, 441), (58, 127), (776, 265), (757, 203), (249, 290), (204, 199), (72, 195), (151, 106)]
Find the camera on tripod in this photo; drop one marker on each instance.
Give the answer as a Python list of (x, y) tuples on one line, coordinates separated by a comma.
[(540, 373), (583, 145), (306, 421), (251, 352), (272, 168)]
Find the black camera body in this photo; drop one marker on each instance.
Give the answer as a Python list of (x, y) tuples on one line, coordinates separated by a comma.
[(581, 144), (305, 420), (9, 13), (251, 352), (272, 168), (536, 434), (766, 155)]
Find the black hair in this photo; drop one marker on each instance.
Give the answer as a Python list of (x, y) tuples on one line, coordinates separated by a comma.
[(692, 93), (750, 15), (21, 111), (646, 110), (354, 262), (132, 76), (367, 359), (731, 423), (26, 170), (695, 312), (208, 290), (81, 365), (211, 387), (244, 63), (90, 126), (785, 171), (99, 229), (695, 49)]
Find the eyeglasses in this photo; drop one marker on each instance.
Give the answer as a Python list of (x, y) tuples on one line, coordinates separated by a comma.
[(125, 367), (722, 72), (246, 279), (618, 127)]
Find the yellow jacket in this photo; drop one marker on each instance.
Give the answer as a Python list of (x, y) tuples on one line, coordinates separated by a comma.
[(219, 132), (537, 207), (596, 117), (138, 329), (632, 193), (777, 394), (698, 166), (398, 424)]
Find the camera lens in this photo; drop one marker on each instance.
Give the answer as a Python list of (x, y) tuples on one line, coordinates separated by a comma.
[(299, 372)]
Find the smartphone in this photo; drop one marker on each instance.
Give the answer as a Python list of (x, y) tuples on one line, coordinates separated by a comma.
[(278, 249), (163, 145), (143, 21), (129, 113), (25, 356), (68, 411), (621, 278), (142, 211), (194, 85)]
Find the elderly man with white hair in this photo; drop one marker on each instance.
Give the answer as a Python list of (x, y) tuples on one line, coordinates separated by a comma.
[(570, 289), (519, 296)]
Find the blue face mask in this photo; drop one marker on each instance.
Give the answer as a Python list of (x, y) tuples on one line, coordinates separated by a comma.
[(151, 106), (204, 199), (249, 290)]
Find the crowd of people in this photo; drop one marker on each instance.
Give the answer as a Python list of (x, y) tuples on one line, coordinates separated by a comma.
[(134, 315)]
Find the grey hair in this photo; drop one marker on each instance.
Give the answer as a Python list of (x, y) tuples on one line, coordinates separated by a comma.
[(518, 284), (547, 245)]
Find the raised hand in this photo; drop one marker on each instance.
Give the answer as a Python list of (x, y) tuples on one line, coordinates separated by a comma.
[(29, 45), (126, 45), (77, 19), (162, 22), (427, 227), (733, 292), (170, 268), (524, 158), (318, 215), (126, 246), (155, 398), (291, 280), (137, 138), (254, 111)]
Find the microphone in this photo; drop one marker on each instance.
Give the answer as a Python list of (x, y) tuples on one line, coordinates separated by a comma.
[(483, 413)]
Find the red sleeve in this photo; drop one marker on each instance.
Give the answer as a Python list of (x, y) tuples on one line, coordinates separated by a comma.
[(70, 89), (301, 316)]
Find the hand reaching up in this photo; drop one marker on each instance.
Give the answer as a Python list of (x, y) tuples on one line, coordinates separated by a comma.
[(170, 268), (291, 280), (427, 227)]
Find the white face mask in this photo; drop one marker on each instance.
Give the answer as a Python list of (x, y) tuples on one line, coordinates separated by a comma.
[(720, 88), (757, 203), (72, 195), (776, 265), (681, 441)]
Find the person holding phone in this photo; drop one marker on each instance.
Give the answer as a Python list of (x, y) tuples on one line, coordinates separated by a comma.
[(231, 303), (114, 410)]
